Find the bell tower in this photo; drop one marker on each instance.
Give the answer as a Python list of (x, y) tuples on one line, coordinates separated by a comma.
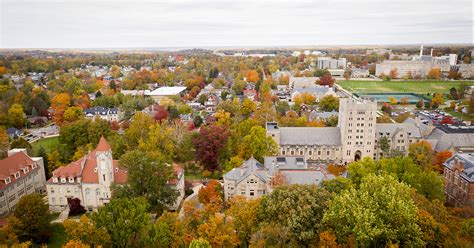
[(105, 168)]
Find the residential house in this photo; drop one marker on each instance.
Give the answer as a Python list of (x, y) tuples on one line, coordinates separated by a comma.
[(108, 114)]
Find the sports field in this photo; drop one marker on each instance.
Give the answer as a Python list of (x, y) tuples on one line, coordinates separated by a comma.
[(421, 87)]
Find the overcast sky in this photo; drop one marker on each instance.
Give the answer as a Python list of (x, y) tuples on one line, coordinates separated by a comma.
[(126, 23)]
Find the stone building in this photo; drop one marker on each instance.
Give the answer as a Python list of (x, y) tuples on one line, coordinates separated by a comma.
[(254, 179), (356, 136), (459, 179), (20, 175)]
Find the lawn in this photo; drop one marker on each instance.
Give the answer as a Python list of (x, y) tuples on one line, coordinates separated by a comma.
[(48, 144), (58, 236), (421, 87)]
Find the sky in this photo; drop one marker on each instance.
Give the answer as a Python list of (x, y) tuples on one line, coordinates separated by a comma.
[(240, 23)]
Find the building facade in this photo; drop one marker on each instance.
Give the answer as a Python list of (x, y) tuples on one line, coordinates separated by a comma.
[(254, 179), (356, 136), (459, 179), (108, 114), (20, 175), (330, 63), (88, 179)]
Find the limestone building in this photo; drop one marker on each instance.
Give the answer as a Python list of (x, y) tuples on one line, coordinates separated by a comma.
[(20, 175), (254, 179), (356, 136), (88, 179)]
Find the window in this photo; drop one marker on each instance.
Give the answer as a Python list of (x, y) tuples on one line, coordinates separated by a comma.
[(52, 190), (310, 153), (283, 152), (71, 179), (8, 180), (26, 170), (103, 177), (292, 152), (88, 191), (319, 152), (242, 193), (33, 166), (55, 179), (17, 175), (301, 152), (327, 153), (63, 180), (2, 194), (68, 190), (53, 200), (252, 192)]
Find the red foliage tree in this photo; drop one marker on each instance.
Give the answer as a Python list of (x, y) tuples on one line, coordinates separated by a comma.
[(440, 158), (161, 113), (114, 125), (326, 80), (208, 144)]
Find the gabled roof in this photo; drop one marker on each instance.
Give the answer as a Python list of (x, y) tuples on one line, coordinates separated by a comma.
[(330, 136), (12, 164)]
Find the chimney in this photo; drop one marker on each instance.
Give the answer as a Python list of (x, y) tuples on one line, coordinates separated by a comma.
[(431, 52)]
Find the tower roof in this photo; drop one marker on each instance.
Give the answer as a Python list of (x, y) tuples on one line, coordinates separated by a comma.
[(103, 145)]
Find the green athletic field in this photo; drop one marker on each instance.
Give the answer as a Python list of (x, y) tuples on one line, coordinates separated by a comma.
[(421, 87)]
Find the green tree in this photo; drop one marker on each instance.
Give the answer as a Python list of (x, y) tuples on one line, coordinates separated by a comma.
[(329, 103), (22, 143), (384, 145), (147, 176), (33, 219), (200, 243), (337, 185), (244, 215), (124, 219), (379, 213), (139, 129), (257, 144), (16, 116), (300, 208), (160, 235)]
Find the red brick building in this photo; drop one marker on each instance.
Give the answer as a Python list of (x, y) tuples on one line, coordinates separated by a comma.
[(459, 179)]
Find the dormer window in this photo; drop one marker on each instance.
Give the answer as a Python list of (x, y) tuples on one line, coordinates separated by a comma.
[(71, 179), (63, 180), (33, 166), (26, 170), (17, 175), (55, 179), (95, 169), (116, 169), (7, 180)]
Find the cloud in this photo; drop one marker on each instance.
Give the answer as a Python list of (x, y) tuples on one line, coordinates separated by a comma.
[(126, 23)]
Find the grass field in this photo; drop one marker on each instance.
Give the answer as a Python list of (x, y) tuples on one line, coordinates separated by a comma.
[(421, 87), (48, 144)]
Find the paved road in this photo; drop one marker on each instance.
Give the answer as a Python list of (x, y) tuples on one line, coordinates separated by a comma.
[(192, 198)]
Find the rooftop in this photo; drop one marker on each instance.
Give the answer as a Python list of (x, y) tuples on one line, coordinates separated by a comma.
[(167, 91)]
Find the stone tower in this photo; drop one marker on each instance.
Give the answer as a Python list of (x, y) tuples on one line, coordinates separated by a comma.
[(105, 168), (356, 121)]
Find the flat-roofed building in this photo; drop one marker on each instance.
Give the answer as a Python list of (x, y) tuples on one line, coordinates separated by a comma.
[(163, 92)]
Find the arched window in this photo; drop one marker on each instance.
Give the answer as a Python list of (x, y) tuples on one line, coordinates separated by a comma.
[(97, 192), (88, 191)]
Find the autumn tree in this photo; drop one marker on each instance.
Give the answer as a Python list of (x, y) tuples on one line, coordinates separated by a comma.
[(248, 107), (305, 98), (16, 116), (421, 153), (200, 243), (385, 213), (73, 114), (86, 231), (208, 145), (439, 158), (32, 219), (326, 79), (252, 76), (124, 220), (329, 103), (244, 216), (393, 73), (59, 104), (4, 142), (434, 73), (219, 231)]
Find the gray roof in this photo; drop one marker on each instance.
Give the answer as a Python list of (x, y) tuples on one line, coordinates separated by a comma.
[(322, 115), (449, 140), (305, 176), (467, 159), (393, 128), (249, 167), (315, 90), (330, 136)]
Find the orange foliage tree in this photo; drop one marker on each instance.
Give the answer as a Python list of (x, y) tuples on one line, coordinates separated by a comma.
[(59, 104), (252, 76), (440, 158)]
